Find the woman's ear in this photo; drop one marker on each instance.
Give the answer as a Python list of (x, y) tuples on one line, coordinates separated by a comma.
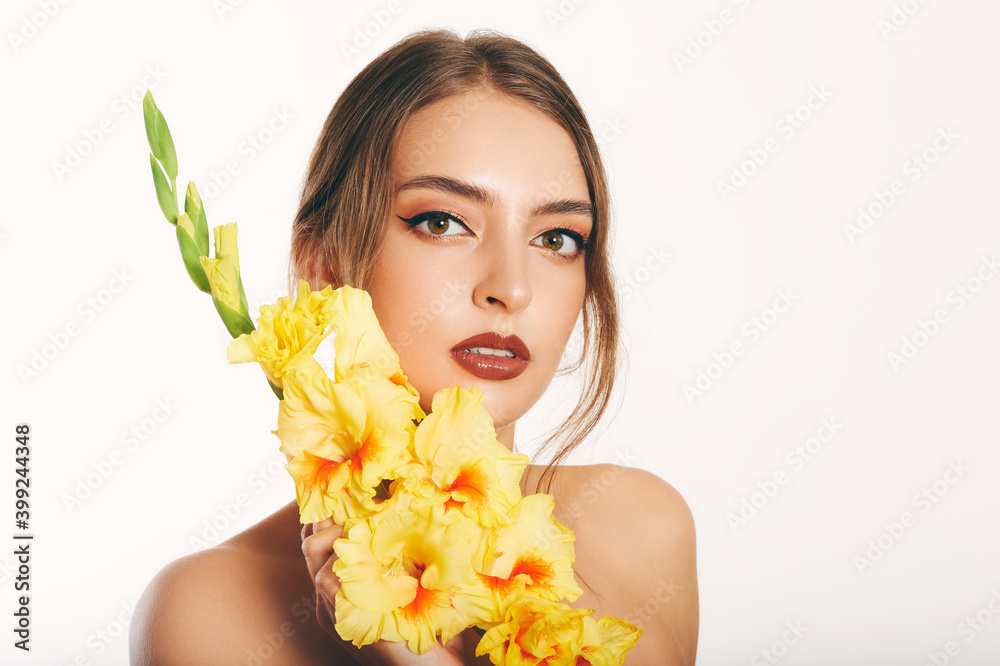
[(320, 272)]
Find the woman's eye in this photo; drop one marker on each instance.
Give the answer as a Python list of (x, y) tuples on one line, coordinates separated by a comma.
[(436, 223), (557, 240)]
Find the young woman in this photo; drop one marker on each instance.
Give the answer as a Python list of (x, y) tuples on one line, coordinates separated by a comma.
[(457, 181)]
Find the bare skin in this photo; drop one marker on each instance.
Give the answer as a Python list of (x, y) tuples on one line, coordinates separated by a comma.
[(513, 182)]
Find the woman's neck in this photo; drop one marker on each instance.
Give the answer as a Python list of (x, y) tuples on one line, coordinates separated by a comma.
[(505, 435)]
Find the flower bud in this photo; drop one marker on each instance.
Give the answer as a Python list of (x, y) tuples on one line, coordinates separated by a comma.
[(196, 211), (224, 277), (164, 194), (160, 142), (190, 253)]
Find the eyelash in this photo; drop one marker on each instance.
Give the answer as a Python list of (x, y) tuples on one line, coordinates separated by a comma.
[(582, 242)]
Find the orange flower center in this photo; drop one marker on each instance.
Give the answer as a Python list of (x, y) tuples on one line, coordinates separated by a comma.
[(424, 604), (471, 483), (538, 571)]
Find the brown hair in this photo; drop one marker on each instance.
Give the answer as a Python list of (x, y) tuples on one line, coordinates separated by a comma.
[(346, 194)]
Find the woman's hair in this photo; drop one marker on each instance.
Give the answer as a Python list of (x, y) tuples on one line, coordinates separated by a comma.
[(347, 191)]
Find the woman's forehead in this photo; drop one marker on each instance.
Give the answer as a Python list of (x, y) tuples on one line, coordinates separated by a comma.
[(493, 141)]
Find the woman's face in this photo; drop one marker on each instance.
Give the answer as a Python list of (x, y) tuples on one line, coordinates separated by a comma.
[(490, 212)]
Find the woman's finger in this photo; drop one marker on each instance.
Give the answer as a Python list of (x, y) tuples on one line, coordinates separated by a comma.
[(317, 547), (317, 544)]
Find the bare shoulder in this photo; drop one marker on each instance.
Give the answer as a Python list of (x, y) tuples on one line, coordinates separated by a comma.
[(172, 617), (657, 515), (231, 604), (636, 548), (635, 503)]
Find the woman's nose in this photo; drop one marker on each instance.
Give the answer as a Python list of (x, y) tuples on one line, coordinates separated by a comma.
[(503, 272)]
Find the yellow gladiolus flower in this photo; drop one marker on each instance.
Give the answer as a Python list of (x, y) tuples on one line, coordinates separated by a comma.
[(532, 554), (535, 631), (360, 342), (461, 463), (285, 331), (405, 576), (323, 489), (341, 439)]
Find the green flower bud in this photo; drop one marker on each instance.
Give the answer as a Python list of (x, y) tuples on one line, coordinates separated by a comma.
[(196, 211), (190, 253)]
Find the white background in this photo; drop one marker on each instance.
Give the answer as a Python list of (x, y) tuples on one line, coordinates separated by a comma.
[(673, 131)]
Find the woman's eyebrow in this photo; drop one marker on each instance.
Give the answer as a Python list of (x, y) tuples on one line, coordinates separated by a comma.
[(563, 207), (487, 198)]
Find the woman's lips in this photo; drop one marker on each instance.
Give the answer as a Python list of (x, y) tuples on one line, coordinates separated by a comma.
[(498, 357)]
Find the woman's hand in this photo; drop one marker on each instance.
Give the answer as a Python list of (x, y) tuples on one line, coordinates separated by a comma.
[(317, 546)]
